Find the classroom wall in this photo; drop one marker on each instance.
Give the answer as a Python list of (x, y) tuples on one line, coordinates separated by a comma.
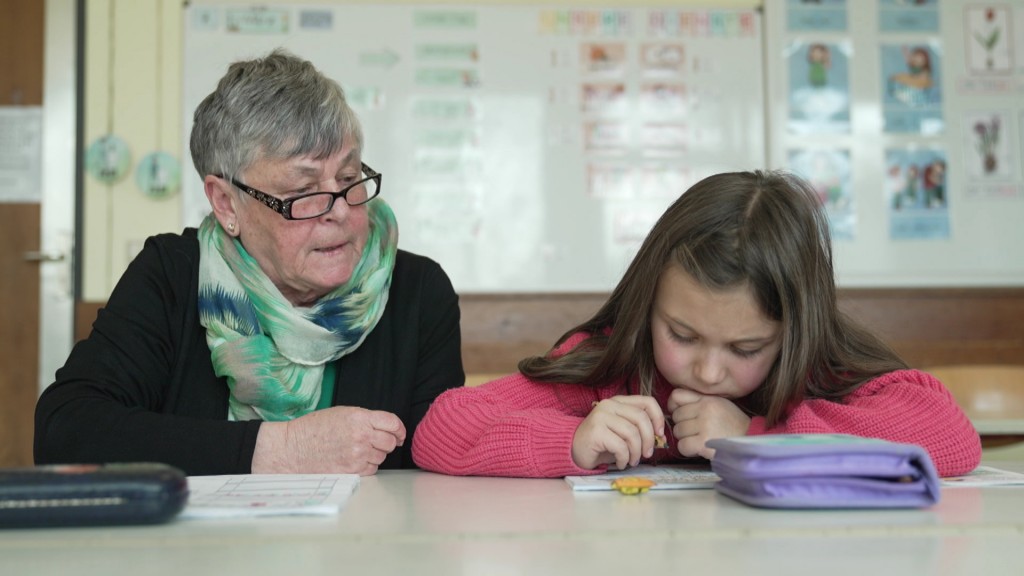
[(135, 61), (132, 89), (133, 86)]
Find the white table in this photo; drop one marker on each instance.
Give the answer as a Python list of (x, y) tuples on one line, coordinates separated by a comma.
[(418, 523), (1013, 427)]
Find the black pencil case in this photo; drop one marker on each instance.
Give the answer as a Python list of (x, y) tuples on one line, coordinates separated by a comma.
[(90, 495)]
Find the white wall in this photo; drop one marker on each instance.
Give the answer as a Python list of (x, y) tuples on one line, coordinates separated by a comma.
[(133, 88)]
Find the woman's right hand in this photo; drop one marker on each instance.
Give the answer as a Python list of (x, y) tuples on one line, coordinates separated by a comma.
[(618, 431), (336, 440)]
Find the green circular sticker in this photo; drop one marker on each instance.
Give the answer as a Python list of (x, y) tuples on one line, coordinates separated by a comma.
[(158, 175), (108, 158)]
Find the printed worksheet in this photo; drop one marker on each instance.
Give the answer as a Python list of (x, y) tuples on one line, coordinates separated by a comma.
[(985, 476), (665, 477), (244, 495)]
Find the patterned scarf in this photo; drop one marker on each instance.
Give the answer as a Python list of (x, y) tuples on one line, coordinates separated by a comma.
[(273, 353)]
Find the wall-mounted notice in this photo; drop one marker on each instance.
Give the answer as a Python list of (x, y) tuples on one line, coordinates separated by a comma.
[(909, 122), (526, 148), (21, 151)]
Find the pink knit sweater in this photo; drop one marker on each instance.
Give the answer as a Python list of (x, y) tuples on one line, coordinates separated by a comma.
[(516, 427)]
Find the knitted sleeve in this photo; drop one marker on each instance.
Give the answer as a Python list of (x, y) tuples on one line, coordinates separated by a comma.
[(508, 427), (512, 426), (906, 406)]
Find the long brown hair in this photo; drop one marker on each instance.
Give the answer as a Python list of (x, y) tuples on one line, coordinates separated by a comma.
[(767, 230)]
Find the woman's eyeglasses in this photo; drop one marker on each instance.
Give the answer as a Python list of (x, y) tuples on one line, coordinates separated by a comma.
[(316, 204)]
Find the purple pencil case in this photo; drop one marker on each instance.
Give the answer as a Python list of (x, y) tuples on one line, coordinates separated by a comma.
[(824, 471)]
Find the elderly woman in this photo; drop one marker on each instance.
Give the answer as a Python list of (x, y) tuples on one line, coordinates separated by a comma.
[(288, 333)]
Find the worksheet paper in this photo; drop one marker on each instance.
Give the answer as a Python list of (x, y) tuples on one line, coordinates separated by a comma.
[(666, 477), (249, 495), (985, 476)]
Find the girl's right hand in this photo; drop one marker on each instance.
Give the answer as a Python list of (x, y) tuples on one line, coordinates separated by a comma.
[(619, 430)]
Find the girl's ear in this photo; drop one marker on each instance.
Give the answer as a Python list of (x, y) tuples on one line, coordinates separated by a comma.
[(222, 199)]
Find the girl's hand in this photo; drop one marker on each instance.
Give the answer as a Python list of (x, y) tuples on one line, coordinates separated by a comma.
[(699, 418), (619, 431)]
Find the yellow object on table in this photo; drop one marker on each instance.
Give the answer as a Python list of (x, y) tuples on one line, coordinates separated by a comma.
[(632, 485)]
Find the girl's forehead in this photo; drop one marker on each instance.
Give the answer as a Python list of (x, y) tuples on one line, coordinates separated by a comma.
[(731, 314)]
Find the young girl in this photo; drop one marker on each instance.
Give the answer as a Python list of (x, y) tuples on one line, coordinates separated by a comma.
[(725, 324), (819, 59), (919, 69), (914, 87)]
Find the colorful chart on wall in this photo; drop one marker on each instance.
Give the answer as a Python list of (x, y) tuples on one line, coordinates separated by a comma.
[(907, 117), (526, 148)]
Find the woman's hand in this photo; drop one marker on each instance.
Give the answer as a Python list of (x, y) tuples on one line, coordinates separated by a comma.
[(619, 430), (337, 440), (698, 418)]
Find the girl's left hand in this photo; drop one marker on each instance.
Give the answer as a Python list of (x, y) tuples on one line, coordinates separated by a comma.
[(699, 418)]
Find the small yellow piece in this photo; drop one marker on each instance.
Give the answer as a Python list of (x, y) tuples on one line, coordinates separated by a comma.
[(632, 485), (660, 442)]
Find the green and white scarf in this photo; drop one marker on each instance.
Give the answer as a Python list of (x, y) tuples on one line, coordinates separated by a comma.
[(272, 353)]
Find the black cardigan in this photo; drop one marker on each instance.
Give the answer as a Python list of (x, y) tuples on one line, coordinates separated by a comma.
[(141, 387)]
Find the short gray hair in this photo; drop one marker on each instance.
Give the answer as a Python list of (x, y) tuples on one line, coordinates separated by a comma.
[(279, 106)]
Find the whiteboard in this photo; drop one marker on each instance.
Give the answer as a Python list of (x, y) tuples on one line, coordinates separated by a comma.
[(525, 148), (868, 138)]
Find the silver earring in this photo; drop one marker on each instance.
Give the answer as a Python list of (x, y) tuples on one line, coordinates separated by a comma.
[(231, 226)]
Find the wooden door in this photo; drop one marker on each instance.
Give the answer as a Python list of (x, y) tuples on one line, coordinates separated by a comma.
[(21, 84)]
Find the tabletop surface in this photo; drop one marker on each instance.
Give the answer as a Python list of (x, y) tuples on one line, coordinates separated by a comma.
[(1015, 426), (413, 522)]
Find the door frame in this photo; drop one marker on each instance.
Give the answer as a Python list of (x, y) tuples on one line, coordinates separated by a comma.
[(60, 185)]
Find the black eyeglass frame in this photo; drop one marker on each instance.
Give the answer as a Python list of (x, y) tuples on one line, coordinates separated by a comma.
[(284, 207)]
